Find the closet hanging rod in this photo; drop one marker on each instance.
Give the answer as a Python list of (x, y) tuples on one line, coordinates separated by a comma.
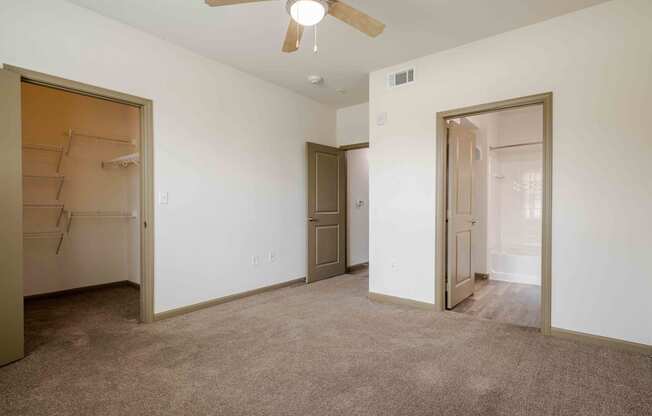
[(47, 148), (46, 235), (60, 178), (53, 177), (508, 146), (43, 147), (80, 214), (72, 133), (60, 207), (35, 205)]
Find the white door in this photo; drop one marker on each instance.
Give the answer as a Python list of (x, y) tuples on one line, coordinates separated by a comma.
[(460, 276)]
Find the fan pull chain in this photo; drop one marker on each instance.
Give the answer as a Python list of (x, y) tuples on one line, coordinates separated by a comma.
[(315, 49), (297, 25)]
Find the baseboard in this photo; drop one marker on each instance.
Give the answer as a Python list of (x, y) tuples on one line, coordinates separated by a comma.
[(394, 300), (603, 341), (81, 290), (357, 267), (213, 302), (132, 284)]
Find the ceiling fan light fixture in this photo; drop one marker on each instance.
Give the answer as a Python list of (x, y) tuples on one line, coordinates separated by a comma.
[(307, 12)]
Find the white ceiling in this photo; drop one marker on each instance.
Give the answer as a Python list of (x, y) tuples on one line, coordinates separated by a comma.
[(249, 36)]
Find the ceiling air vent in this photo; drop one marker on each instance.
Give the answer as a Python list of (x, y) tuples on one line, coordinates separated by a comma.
[(400, 78)]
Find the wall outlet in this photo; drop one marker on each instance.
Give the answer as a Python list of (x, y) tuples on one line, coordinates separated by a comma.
[(394, 265), (271, 257), (255, 260), (163, 198)]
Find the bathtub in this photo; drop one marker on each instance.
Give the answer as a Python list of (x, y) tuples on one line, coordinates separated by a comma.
[(516, 264)]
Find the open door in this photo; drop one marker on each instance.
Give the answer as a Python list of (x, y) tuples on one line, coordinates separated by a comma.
[(326, 212), (11, 220), (460, 276)]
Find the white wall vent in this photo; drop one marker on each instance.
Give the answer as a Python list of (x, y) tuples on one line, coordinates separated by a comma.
[(400, 78)]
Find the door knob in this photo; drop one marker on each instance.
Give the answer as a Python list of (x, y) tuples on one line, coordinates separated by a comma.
[(473, 222), (311, 219)]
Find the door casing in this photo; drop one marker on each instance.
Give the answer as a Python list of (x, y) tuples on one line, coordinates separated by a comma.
[(146, 170), (12, 345), (546, 100)]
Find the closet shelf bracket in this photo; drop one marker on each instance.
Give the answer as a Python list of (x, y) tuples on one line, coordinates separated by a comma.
[(123, 161)]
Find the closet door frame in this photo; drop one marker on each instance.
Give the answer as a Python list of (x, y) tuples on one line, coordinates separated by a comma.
[(146, 148)]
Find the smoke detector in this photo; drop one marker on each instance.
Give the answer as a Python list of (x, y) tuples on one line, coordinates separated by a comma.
[(315, 79)]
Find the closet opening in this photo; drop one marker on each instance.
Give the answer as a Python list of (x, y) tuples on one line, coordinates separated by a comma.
[(86, 244)]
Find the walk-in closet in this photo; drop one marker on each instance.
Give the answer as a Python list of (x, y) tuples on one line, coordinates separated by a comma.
[(81, 196)]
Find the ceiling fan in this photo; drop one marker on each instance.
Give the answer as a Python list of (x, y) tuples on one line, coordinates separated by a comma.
[(310, 12)]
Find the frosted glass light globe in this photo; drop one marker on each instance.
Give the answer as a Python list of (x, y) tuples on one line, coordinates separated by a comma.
[(307, 12)]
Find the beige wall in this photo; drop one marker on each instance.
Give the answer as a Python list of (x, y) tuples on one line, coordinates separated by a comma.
[(95, 251)]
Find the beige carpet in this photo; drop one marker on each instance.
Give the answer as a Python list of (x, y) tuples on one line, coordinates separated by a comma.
[(322, 349)]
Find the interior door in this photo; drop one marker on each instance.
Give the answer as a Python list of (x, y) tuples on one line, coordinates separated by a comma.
[(460, 276), (11, 220), (326, 212)]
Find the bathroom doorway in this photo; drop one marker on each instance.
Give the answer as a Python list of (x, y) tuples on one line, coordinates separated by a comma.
[(495, 256)]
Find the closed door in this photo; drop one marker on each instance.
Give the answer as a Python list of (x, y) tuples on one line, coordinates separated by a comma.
[(326, 212), (460, 275), (11, 220)]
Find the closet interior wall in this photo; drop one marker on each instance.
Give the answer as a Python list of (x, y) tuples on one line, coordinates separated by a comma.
[(94, 250)]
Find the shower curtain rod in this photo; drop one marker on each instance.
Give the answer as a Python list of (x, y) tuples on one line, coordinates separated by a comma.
[(507, 146)]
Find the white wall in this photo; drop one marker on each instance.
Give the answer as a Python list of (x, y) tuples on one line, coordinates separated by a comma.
[(357, 166), (229, 148), (353, 124), (597, 62)]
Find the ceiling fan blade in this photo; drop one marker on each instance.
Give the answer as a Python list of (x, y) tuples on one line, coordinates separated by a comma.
[(357, 19), (217, 3), (293, 37)]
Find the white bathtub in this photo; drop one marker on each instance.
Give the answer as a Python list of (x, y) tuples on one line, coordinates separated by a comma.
[(517, 264)]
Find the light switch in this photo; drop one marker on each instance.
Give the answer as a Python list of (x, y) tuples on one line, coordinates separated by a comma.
[(163, 198), (381, 119)]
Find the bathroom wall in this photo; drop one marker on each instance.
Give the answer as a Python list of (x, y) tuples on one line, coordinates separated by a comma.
[(94, 251), (515, 196)]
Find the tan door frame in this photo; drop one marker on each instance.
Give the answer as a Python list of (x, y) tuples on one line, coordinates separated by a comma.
[(355, 146), (146, 170), (442, 176)]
